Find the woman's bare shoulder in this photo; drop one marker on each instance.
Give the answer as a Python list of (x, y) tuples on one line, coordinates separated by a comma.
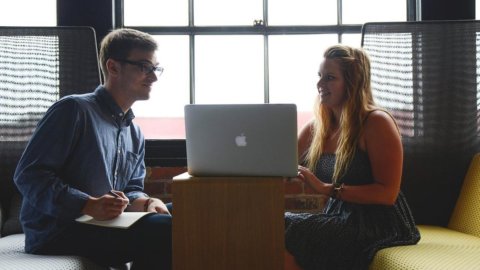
[(380, 123), (379, 117), (306, 131)]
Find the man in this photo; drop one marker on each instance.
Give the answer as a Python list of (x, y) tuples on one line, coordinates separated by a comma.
[(87, 157)]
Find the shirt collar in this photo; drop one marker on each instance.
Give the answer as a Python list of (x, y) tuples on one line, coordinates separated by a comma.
[(106, 99)]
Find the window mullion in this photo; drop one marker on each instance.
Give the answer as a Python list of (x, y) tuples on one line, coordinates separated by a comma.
[(192, 68), (339, 12), (265, 12), (266, 72), (191, 24), (191, 21), (339, 19)]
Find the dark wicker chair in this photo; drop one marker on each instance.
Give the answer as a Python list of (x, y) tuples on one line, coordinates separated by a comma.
[(426, 74), (38, 65)]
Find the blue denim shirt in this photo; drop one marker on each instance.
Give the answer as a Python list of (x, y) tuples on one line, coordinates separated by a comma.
[(84, 145)]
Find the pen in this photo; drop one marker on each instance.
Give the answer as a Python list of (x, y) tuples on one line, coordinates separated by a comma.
[(117, 196)]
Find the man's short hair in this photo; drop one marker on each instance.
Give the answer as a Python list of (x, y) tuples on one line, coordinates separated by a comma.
[(120, 42)]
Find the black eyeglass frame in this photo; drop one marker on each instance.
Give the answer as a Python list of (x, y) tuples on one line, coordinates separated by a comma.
[(146, 68)]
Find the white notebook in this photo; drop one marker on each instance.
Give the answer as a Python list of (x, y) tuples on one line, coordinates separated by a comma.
[(125, 220)]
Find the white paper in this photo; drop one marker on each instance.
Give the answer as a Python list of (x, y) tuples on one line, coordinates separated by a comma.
[(125, 220)]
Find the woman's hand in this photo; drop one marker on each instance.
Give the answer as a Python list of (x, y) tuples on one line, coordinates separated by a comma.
[(305, 175)]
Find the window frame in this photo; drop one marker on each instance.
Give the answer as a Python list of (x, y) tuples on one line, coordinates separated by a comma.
[(172, 152)]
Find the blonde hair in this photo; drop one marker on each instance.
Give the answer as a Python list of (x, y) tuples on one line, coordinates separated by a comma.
[(355, 67)]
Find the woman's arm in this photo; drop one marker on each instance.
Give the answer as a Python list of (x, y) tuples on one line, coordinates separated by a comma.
[(381, 140), (304, 141), (383, 144)]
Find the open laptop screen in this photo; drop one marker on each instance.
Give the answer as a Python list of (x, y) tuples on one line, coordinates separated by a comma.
[(241, 139)]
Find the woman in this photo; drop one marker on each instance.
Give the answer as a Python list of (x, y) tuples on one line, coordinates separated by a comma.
[(351, 152)]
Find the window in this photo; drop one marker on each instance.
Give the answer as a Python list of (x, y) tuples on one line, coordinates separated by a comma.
[(249, 51), (17, 92), (28, 13), (477, 10)]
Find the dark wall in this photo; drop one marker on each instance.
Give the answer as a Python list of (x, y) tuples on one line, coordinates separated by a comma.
[(98, 14), (448, 10)]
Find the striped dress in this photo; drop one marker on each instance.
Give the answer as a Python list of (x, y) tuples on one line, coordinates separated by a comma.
[(347, 235)]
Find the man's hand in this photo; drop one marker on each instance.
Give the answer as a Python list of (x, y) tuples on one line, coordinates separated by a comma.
[(105, 207)]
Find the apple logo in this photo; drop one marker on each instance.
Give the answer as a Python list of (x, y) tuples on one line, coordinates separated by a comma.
[(241, 140)]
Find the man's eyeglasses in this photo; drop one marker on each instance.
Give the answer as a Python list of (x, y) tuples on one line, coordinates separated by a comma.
[(144, 67)]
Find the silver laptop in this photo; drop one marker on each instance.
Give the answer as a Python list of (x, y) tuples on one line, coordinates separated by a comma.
[(241, 140)]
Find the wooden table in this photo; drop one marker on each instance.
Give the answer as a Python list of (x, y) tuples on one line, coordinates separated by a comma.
[(228, 223)]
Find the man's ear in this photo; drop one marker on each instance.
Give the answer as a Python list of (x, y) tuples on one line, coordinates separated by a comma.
[(113, 67)]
